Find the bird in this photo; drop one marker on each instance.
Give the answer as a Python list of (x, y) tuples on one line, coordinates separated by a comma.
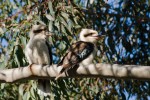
[(81, 52), (38, 51)]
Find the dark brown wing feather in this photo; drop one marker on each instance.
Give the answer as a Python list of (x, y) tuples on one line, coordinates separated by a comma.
[(77, 53), (61, 62)]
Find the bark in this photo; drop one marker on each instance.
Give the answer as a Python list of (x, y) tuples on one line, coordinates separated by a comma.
[(93, 70)]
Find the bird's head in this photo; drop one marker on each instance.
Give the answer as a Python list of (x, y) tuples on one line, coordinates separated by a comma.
[(40, 30), (89, 35)]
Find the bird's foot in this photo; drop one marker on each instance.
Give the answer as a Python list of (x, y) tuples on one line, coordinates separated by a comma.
[(57, 77)]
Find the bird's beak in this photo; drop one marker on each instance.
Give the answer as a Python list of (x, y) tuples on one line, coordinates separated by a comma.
[(48, 34), (99, 37)]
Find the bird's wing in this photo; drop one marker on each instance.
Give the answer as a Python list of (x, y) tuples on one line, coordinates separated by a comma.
[(49, 51), (28, 53), (61, 62), (83, 49), (77, 53)]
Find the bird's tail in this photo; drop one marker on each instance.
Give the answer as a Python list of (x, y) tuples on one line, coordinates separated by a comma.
[(43, 87)]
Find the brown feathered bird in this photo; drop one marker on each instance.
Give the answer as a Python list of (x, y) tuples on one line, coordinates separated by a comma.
[(81, 52)]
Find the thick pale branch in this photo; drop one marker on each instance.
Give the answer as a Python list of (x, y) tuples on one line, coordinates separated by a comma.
[(93, 70)]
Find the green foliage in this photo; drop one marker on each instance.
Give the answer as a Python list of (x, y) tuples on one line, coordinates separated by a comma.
[(126, 26)]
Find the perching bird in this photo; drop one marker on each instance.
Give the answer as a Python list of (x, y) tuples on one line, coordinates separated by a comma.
[(38, 51), (81, 52)]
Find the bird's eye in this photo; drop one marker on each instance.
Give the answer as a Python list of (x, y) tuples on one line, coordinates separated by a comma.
[(39, 31), (88, 34)]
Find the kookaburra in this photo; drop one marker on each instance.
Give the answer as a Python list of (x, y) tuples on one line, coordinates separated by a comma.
[(81, 52), (38, 51)]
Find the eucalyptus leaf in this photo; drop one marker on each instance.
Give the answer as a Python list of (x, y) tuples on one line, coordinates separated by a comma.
[(50, 26), (32, 91), (65, 15), (16, 59), (50, 17), (1, 31), (26, 96), (51, 8), (21, 89), (3, 85), (2, 65), (63, 21)]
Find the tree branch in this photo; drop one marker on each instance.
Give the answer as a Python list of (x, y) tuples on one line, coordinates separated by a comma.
[(94, 70)]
